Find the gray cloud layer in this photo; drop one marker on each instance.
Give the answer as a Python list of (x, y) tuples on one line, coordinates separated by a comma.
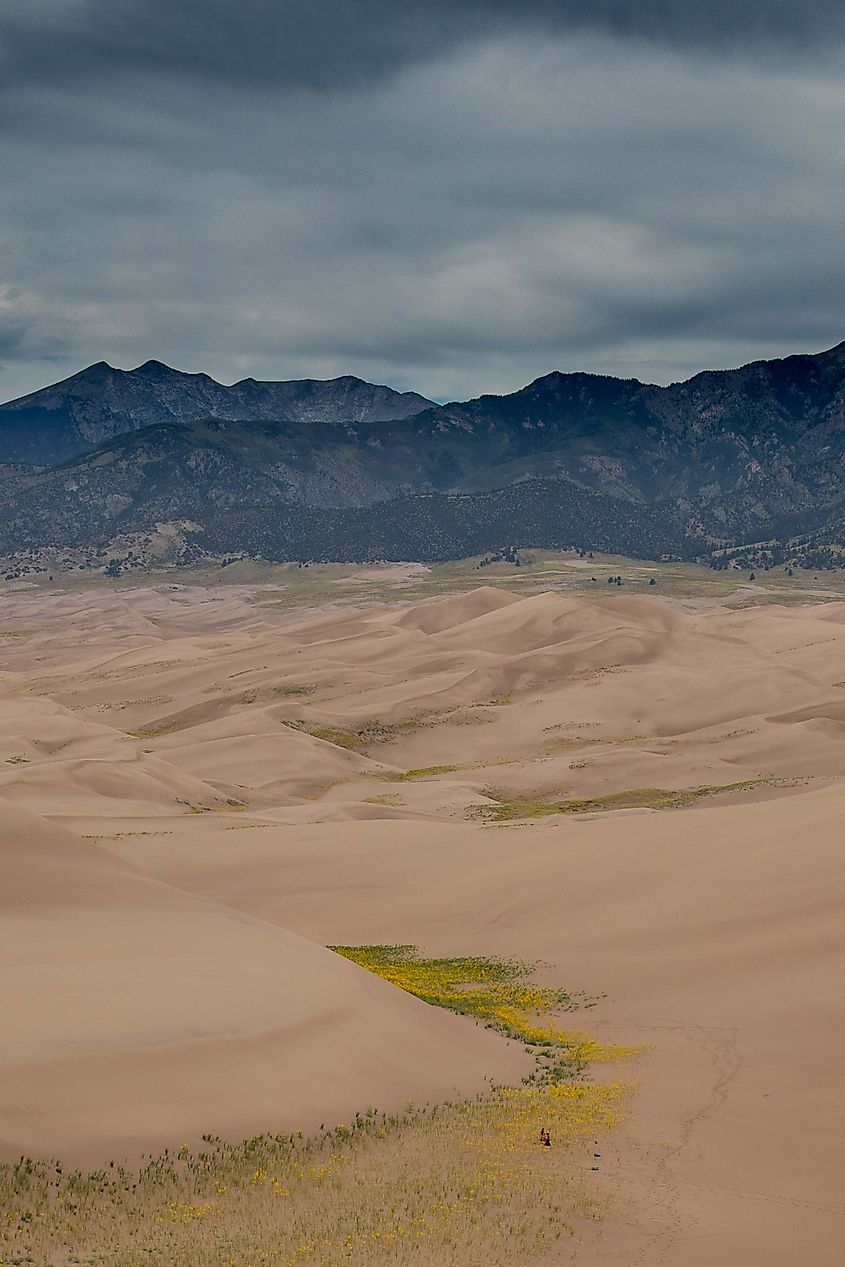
[(342, 42), (452, 201)]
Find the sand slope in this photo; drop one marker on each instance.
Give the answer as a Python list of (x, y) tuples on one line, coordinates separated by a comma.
[(137, 1015), (204, 792)]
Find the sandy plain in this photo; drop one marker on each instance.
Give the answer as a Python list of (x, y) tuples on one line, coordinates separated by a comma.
[(200, 792)]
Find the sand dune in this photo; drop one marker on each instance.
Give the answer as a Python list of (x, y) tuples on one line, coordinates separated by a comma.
[(171, 979), (143, 1016), (262, 754), (542, 620), (446, 613)]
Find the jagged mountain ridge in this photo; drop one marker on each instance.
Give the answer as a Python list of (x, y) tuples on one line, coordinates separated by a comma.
[(735, 455), (89, 408)]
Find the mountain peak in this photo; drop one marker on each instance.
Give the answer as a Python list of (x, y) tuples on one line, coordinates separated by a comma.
[(557, 377), (157, 370), (95, 372), (98, 403)]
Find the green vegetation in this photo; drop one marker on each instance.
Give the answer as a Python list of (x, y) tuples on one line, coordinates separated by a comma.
[(420, 772), (496, 991), (364, 735), (509, 808), (124, 835), (413, 1188), (291, 690), (433, 771), (151, 732), (500, 993), (290, 586), (331, 734), (565, 742), (561, 743)]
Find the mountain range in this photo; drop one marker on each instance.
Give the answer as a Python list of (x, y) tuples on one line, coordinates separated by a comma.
[(99, 403), (113, 461)]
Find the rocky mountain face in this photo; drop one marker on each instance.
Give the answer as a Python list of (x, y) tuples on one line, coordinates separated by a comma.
[(573, 459), (99, 403), (262, 490)]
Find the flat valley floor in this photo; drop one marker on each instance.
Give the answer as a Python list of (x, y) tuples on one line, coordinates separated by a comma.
[(201, 790)]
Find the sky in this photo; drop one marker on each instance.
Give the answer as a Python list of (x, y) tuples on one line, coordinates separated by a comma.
[(451, 196)]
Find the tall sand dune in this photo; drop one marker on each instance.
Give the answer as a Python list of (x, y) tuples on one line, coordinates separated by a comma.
[(446, 613), (138, 1016)]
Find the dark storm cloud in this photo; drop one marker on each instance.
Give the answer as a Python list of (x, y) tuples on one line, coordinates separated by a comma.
[(244, 189), (336, 43)]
